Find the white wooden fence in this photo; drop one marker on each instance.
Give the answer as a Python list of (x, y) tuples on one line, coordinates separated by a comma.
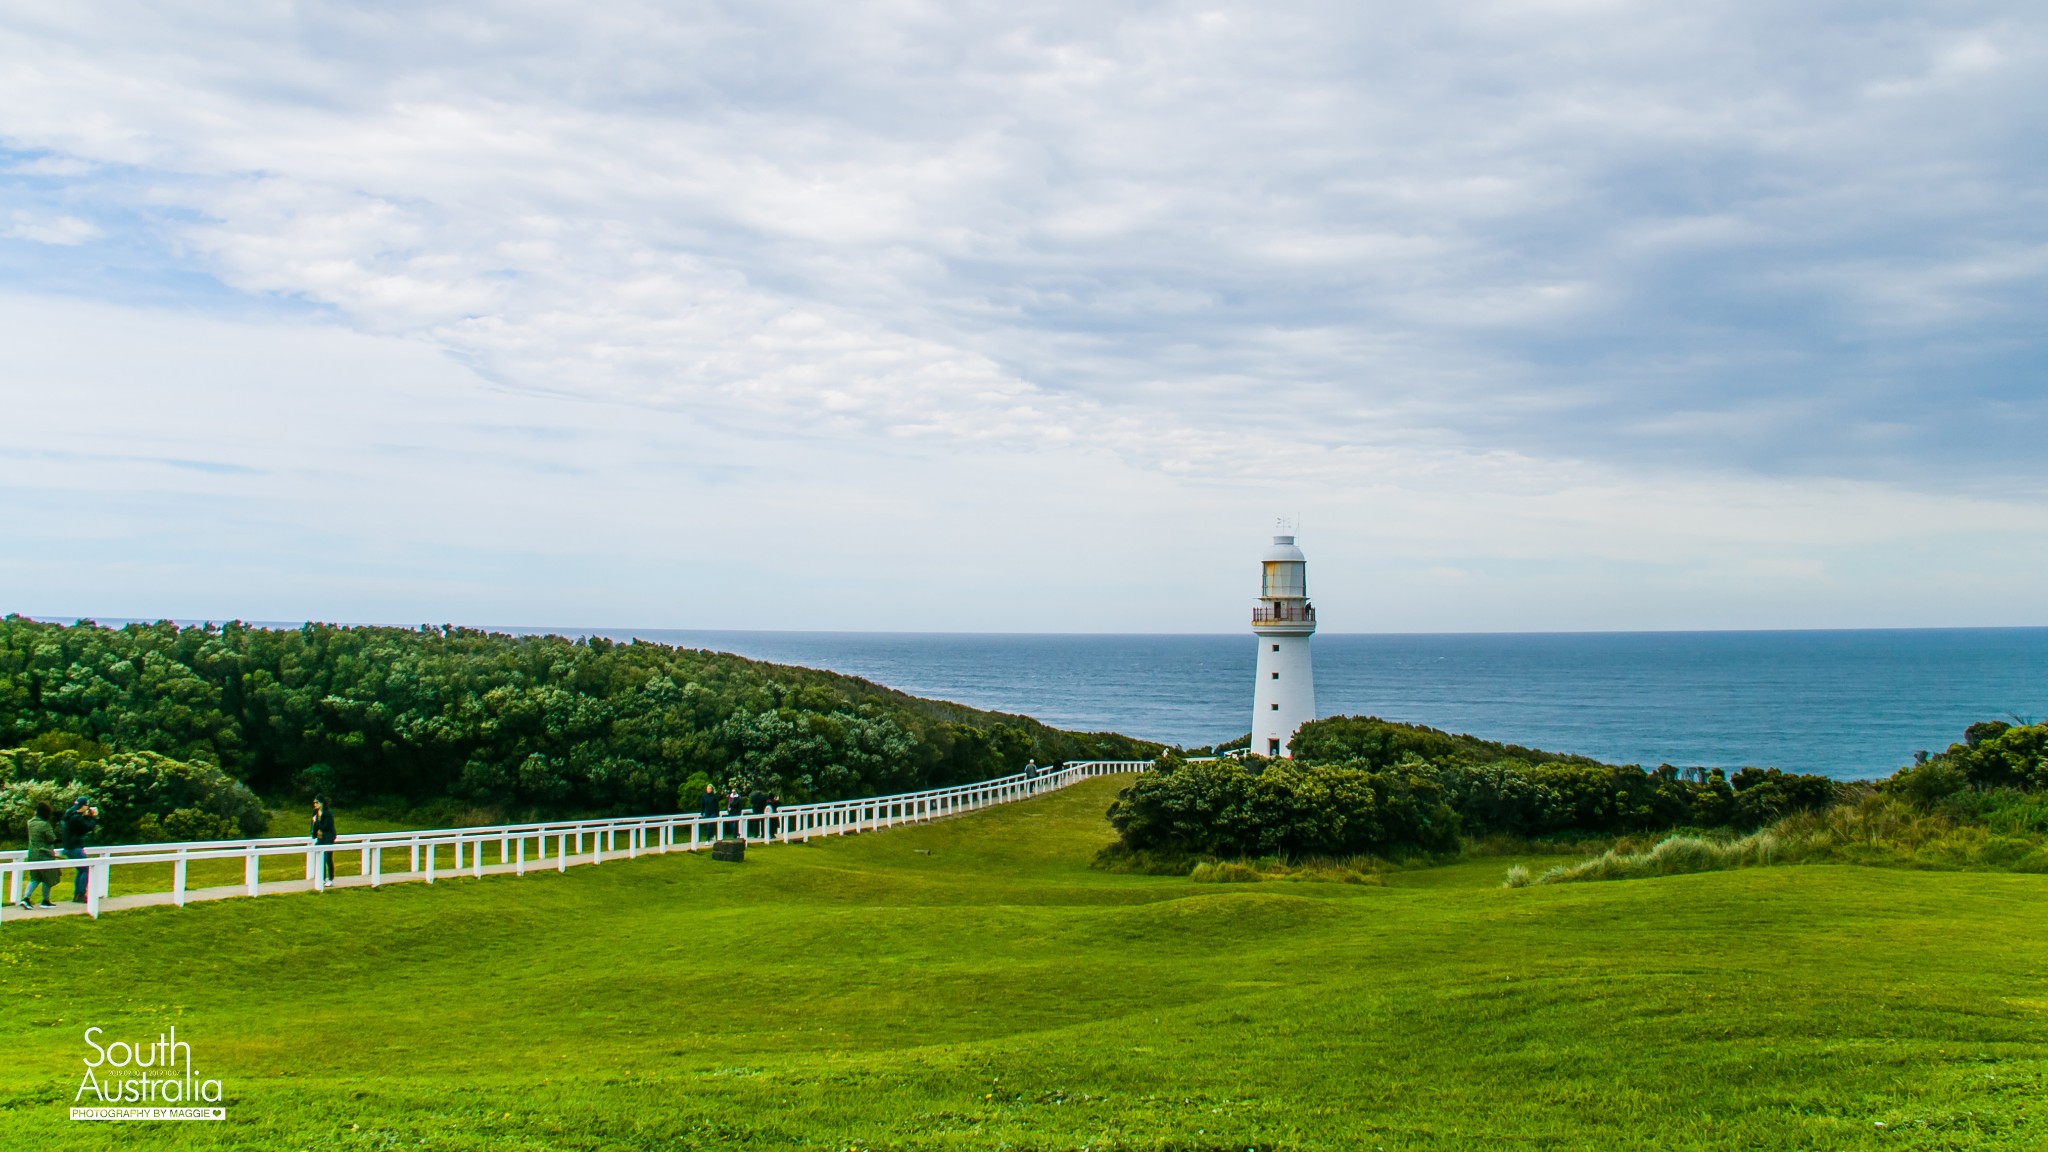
[(556, 844)]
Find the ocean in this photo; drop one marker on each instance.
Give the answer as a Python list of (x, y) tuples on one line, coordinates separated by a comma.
[(1848, 704)]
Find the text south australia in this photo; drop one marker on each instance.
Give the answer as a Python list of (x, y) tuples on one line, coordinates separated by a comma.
[(153, 1081)]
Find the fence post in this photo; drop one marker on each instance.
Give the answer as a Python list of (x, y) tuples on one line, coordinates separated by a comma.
[(433, 850), (476, 858), (376, 869), (96, 881), (249, 870), (519, 852), (562, 852), (178, 879)]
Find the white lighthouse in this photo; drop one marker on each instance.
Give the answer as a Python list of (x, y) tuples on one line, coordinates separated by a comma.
[(1285, 697)]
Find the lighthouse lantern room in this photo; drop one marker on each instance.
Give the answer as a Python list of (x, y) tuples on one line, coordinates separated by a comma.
[(1285, 696)]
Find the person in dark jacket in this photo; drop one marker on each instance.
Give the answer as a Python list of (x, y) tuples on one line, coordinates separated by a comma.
[(774, 811), (42, 845), (707, 810), (79, 821), (734, 807), (321, 826)]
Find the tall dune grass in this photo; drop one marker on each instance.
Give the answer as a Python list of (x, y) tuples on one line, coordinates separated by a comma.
[(1346, 870), (1872, 828), (1671, 856)]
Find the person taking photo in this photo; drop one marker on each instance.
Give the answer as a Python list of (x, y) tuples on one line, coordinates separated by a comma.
[(79, 822)]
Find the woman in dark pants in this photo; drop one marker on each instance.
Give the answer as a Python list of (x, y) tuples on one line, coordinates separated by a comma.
[(707, 811), (322, 827), (42, 845)]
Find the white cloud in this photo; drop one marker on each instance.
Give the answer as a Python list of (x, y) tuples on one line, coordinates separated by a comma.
[(60, 230), (1466, 269), (200, 468)]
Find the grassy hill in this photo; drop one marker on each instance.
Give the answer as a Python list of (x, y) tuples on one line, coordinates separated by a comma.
[(997, 992)]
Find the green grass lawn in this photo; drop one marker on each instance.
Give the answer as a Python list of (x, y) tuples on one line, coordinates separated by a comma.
[(998, 993)]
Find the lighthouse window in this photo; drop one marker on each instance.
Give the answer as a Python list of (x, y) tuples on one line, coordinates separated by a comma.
[(1276, 707), (1276, 675), (1272, 747)]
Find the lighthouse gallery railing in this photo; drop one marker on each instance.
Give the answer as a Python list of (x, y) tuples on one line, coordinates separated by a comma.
[(573, 841)]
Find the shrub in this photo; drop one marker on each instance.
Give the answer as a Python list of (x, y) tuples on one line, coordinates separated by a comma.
[(2006, 810), (1377, 743), (187, 824), (141, 795), (1929, 783), (1995, 754), (1762, 795), (1508, 790), (1275, 808), (18, 799)]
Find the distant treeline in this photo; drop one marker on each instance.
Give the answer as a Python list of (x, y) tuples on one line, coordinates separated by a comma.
[(1364, 786), (530, 724)]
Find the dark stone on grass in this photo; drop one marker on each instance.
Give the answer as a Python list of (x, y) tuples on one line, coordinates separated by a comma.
[(733, 850)]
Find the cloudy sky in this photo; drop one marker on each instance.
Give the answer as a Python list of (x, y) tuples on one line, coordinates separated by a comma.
[(1030, 317)]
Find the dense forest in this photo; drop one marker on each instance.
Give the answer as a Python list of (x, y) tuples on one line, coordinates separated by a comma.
[(511, 724), (1365, 786)]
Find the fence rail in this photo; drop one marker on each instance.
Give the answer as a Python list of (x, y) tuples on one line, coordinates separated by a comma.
[(572, 841)]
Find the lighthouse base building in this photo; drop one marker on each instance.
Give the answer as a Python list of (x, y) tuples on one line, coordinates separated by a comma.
[(1283, 621)]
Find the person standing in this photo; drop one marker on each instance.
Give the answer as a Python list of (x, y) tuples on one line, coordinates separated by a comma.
[(707, 810), (734, 808), (42, 845), (322, 829), (79, 821)]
